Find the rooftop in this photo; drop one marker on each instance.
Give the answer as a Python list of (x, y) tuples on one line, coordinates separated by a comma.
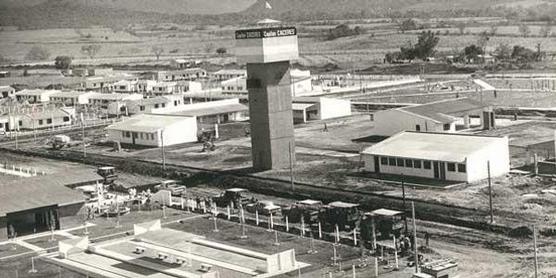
[(147, 123), (215, 110), (231, 71), (443, 111), (433, 146), (41, 191), (66, 94), (114, 96), (35, 92)]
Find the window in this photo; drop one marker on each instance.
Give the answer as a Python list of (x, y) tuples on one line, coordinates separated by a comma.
[(40, 122), (417, 128), (142, 108), (426, 164), (127, 134), (399, 162), (372, 116), (384, 160), (451, 167), (175, 103), (462, 168), (409, 163), (156, 105), (446, 126), (123, 133), (66, 119), (49, 121), (141, 135), (20, 123), (163, 105), (416, 163), (392, 161)]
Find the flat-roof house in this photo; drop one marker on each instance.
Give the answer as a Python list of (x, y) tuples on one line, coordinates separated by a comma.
[(111, 103), (28, 203), (145, 86), (182, 74), (154, 130), (319, 108), (125, 86), (441, 156), (184, 63), (164, 88), (35, 95), (71, 98), (439, 116), (105, 83), (148, 105), (189, 86), (301, 83), (225, 74), (6, 91)]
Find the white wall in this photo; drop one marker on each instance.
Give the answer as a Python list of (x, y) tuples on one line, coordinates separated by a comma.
[(183, 132), (497, 153), (334, 108), (390, 122)]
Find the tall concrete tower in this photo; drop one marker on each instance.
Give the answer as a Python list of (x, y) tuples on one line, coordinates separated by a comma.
[(267, 52)]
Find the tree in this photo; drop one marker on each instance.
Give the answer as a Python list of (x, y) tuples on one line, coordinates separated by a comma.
[(426, 44), (545, 31), (157, 50), (523, 55), (408, 24), (503, 52), (461, 27), (62, 62), (37, 53), (90, 50), (483, 40), (472, 52), (524, 30), (221, 51)]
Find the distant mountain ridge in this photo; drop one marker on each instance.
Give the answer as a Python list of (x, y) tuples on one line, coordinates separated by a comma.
[(109, 13)]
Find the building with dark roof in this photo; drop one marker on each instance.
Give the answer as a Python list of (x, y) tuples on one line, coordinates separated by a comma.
[(29, 203)]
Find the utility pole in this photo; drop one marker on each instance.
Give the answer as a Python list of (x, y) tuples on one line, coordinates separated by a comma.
[(291, 168), (83, 135), (163, 153), (490, 193), (415, 238), (404, 207), (535, 246)]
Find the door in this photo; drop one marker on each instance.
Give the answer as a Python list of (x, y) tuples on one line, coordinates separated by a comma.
[(442, 169), (435, 167), (377, 165), (133, 137)]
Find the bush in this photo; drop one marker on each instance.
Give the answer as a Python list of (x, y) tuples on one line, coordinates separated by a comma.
[(62, 62), (343, 30)]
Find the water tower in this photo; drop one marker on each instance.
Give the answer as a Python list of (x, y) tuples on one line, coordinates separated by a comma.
[(267, 50)]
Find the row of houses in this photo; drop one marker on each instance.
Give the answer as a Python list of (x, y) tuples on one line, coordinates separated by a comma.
[(37, 118), (300, 83)]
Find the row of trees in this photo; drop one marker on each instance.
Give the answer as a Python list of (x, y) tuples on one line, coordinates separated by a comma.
[(343, 30)]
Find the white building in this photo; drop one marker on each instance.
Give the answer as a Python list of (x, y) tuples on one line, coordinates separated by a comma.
[(226, 74), (145, 86), (184, 63), (301, 84), (176, 75), (439, 116), (35, 96), (37, 118), (189, 86), (164, 88), (442, 156), (210, 112), (111, 103), (125, 86), (6, 92), (319, 108), (147, 105), (154, 130), (71, 98)]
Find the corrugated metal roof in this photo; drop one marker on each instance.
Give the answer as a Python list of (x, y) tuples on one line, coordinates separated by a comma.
[(432, 146)]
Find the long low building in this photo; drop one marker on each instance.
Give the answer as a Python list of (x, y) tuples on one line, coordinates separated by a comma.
[(441, 156), (154, 130), (29, 203), (319, 108)]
